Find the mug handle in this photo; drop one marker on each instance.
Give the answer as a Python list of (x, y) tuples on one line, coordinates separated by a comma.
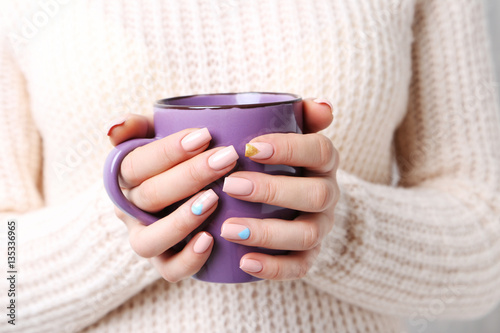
[(110, 177)]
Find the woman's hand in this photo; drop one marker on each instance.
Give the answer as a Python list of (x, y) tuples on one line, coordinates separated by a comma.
[(181, 161), (316, 195), (146, 168)]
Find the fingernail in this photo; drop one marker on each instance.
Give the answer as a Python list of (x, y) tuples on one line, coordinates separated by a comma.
[(237, 186), (196, 139), (115, 122), (259, 150), (204, 202), (324, 101), (223, 158), (202, 243), (250, 265), (235, 231)]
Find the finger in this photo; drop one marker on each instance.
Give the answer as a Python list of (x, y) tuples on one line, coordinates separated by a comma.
[(130, 126), (294, 265), (184, 179), (174, 267), (313, 151), (308, 194), (158, 156), (317, 114), (152, 240), (303, 233)]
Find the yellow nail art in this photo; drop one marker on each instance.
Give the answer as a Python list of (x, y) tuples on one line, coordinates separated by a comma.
[(250, 150)]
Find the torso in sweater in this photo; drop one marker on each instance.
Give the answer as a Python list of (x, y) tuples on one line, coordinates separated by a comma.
[(93, 60)]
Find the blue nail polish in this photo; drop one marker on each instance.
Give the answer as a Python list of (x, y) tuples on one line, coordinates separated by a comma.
[(197, 209), (204, 202), (244, 234)]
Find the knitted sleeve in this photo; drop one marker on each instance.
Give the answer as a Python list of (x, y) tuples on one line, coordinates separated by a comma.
[(73, 263), (431, 244)]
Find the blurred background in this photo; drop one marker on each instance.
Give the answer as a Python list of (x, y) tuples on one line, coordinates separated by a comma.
[(490, 323), (493, 13)]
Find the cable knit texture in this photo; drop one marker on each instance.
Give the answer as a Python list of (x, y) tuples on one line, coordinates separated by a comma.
[(417, 229)]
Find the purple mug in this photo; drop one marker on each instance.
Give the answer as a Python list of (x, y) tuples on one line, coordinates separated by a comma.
[(232, 119)]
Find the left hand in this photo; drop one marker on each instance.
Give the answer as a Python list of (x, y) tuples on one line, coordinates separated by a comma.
[(315, 195)]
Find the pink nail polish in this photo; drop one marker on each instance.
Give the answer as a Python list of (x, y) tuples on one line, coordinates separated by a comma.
[(204, 202), (116, 122), (324, 101), (202, 243), (259, 150), (237, 186), (251, 265), (223, 158), (196, 139), (235, 231)]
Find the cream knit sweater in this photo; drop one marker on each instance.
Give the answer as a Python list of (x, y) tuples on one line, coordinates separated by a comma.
[(410, 80)]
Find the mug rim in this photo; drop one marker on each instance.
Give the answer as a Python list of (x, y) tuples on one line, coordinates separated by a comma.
[(159, 103)]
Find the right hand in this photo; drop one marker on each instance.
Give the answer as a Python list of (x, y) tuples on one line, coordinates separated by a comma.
[(159, 174)]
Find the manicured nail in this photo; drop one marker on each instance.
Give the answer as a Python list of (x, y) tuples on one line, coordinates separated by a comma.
[(250, 265), (223, 158), (196, 139), (202, 243), (324, 101), (235, 231), (237, 186), (259, 150), (116, 122), (204, 202)]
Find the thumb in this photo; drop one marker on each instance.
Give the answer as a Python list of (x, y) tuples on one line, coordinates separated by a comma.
[(317, 114), (130, 126)]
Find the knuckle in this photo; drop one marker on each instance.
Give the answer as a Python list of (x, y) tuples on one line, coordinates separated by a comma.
[(164, 152), (302, 269), (189, 266), (128, 170), (169, 275), (336, 157), (321, 197), (276, 272), (326, 155), (311, 236), (140, 246), (270, 195), (184, 214), (264, 236), (288, 153), (148, 195), (183, 224), (196, 173), (120, 214)]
